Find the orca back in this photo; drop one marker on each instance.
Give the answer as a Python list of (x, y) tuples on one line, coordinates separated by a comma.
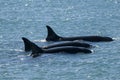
[(52, 36)]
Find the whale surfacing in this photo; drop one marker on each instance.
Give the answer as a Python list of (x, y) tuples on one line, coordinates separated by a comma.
[(52, 36), (66, 43), (37, 51)]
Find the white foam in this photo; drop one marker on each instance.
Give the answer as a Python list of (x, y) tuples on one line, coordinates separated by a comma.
[(40, 40)]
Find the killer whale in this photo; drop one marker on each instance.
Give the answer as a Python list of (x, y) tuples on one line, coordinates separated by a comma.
[(69, 43), (66, 43), (52, 36), (37, 51)]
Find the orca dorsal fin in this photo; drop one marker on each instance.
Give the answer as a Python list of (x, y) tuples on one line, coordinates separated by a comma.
[(36, 51), (30, 46), (51, 36), (27, 44)]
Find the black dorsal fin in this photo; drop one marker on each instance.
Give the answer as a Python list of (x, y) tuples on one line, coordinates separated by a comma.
[(30, 46), (36, 51), (52, 36), (26, 44)]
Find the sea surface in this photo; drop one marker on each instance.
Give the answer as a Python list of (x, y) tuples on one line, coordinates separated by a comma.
[(28, 18)]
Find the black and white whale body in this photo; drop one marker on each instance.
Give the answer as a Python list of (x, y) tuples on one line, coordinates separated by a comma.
[(52, 36), (37, 51), (66, 43)]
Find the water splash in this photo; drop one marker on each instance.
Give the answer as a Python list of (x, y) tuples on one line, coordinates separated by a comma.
[(40, 40), (26, 5), (117, 38)]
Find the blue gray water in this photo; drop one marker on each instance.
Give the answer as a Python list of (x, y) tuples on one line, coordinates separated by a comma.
[(28, 18)]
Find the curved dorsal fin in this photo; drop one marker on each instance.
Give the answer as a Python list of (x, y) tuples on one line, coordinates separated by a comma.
[(36, 51), (32, 46), (26, 44), (52, 36)]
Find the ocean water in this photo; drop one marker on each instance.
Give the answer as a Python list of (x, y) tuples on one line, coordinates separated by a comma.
[(28, 18)]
